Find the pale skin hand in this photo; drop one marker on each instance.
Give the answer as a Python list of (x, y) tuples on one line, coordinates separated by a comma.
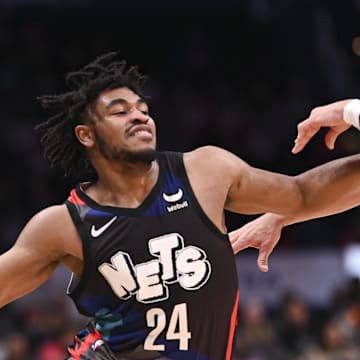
[(262, 233), (330, 116)]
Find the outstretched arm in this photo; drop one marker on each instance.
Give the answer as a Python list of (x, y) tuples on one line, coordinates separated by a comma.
[(329, 189), (264, 232), (337, 116), (34, 257), (314, 193)]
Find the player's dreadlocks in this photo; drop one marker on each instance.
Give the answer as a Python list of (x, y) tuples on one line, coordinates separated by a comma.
[(61, 146)]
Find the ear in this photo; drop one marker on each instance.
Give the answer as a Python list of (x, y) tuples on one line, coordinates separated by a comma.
[(85, 135)]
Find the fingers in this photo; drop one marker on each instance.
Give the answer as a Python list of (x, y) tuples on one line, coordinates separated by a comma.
[(263, 264), (300, 142), (297, 147), (263, 259), (306, 131), (234, 242), (330, 139), (330, 116), (237, 244)]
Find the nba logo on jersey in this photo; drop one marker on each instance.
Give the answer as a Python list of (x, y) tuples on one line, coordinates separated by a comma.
[(149, 281)]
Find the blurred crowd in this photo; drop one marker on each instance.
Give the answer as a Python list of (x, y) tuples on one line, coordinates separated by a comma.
[(239, 76), (291, 331), (37, 332), (297, 332)]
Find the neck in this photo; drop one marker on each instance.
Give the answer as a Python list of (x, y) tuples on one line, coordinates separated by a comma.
[(124, 184)]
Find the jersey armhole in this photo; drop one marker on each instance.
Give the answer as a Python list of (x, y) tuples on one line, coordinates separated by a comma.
[(197, 207), (76, 284)]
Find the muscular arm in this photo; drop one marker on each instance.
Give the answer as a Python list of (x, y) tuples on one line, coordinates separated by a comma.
[(326, 188), (333, 189), (35, 255), (251, 190)]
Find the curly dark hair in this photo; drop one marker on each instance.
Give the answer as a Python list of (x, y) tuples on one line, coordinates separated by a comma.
[(61, 146)]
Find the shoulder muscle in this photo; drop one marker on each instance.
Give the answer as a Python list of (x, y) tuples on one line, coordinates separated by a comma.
[(45, 232), (223, 166)]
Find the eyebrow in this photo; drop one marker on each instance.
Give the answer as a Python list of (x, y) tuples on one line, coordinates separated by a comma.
[(123, 102)]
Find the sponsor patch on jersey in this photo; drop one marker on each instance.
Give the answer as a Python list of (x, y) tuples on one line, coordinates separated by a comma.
[(178, 206), (172, 198), (174, 201)]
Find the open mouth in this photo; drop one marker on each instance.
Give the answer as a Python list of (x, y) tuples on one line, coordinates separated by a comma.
[(140, 131)]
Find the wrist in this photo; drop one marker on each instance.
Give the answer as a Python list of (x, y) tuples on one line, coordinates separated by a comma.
[(279, 220), (351, 114)]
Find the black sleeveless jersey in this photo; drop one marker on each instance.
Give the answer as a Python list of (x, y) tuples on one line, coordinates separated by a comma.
[(160, 280)]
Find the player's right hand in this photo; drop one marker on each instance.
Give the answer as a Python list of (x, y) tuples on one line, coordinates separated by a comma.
[(330, 116)]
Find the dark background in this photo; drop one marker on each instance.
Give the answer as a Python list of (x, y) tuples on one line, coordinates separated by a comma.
[(236, 74)]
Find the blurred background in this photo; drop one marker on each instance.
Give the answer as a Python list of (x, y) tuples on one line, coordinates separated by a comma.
[(236, 74)]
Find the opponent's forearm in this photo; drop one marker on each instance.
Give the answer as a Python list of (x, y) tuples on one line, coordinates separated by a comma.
[(328, 189)]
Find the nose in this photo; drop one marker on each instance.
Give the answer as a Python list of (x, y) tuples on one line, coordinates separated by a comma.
[(139, 116)]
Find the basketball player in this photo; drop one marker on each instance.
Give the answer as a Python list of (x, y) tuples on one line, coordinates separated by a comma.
[(264, 232), (146, 241)]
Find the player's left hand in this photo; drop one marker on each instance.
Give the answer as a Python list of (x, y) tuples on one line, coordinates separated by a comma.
[(262, 233)]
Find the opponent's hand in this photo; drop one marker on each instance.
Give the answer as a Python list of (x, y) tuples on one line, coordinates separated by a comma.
[(262, 233), (330, 116)]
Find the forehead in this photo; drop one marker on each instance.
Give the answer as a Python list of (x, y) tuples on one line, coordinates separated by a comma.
[(107, 96)]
